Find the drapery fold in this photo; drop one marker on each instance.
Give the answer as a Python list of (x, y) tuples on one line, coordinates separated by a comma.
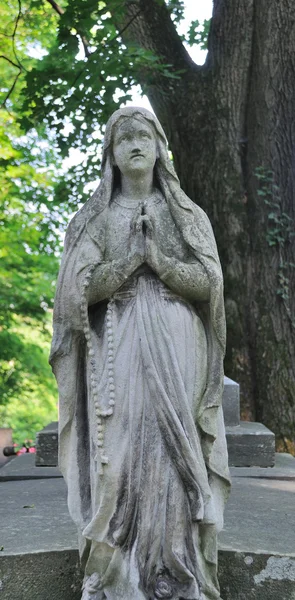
[(155, 512)]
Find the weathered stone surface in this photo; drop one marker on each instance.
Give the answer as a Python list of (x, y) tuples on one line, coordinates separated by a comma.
[(283, 470), (47, 439), (39, 560), (257, 549), (256, 576), (47, 446), (231, 402), (137, 351), (23, 467), (57, 576), (35, 517), (41, 576), (260, 515), (250, 444)]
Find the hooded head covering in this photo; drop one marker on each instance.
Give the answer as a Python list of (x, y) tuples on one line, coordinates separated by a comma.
[(165, 175)]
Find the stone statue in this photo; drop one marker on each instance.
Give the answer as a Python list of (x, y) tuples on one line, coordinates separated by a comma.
[(139, 340)]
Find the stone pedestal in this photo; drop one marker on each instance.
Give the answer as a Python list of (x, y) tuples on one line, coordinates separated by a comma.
[(249, 444), (231, 402), (47, 446), (39, 557)]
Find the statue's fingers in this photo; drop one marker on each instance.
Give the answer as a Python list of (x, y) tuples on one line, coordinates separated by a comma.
[(136, 223), (148, 222)]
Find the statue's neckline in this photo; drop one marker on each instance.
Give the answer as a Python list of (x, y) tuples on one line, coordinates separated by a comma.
[(121, 200)]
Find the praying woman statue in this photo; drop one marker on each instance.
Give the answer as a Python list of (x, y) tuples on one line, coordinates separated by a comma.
[(138, 347)]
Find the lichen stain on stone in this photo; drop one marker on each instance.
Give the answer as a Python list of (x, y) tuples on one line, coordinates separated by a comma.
[(277, 568), (248, 560)]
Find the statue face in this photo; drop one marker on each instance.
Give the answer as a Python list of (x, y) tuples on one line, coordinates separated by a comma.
[(134, 147)]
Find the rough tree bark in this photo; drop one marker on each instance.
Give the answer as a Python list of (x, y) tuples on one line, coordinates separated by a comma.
[(230, 126)]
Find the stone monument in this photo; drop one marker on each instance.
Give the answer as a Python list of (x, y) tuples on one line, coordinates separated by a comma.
[(139, 340)]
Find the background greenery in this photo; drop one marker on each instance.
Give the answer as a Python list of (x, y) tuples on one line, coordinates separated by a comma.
[(63, 71), (65, 67)]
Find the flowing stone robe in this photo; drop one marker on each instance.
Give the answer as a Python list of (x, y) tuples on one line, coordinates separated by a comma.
[(147, 480)]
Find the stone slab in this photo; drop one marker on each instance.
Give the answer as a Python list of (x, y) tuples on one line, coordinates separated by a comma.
[(34, 517), (47, 439), (256, 576), (250, 444), (41, 576), (259, 516), (56, 576), (47, 446), (284, 470), (23, 467), (39, 560), (231, 402)]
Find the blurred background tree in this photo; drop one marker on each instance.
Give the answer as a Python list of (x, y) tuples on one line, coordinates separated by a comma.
[(66, 67), (30, 232)]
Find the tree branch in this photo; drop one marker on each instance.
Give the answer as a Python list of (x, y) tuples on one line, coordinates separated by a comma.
[(3, 104), (5, 34), (60, 11), (229, 59), (17, 18), (56, 7), (18, 65), (14, 34), (120, 33), (149, 25), (150, 28), (110, 44), (85, 45), (10, 61)]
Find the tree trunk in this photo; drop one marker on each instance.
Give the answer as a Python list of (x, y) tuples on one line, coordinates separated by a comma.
[(230, 126)]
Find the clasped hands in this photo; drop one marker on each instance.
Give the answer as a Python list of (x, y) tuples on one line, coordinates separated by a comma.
[(144, 246)]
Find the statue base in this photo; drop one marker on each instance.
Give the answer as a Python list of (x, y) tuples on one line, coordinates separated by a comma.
[(39, 559)]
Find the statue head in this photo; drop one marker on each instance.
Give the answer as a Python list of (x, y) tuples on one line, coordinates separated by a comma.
[(125, 116), (134, 147), (165, 177), (124, 122)]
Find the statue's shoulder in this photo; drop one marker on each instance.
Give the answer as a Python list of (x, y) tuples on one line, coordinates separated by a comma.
[(200, 214), (82, 220), (200, 217), (76, 223)]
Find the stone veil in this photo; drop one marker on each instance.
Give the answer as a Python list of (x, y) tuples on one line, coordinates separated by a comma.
[(140, 376)]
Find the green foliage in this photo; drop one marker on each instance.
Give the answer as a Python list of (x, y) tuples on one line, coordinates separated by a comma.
[(25, 379), (31, 220), (280, 231), (176, 8), (86, 75), (198, 34), (280, 225), (63, 72), (29, 242)]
